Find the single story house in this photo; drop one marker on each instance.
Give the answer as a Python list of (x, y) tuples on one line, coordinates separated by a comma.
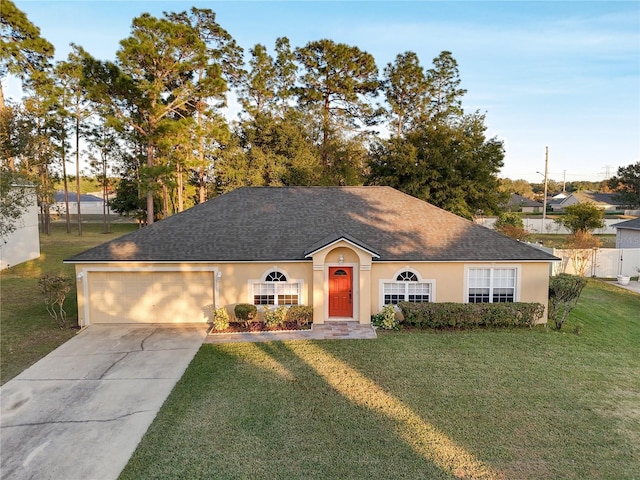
[(346, 251), (518, 203), (628, 233), (605, 201), (90, 204)]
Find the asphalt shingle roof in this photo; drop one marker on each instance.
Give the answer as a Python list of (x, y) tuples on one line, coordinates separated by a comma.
[(286, 223), (73, 196), (597, 197), (633, 224), (516, 200)]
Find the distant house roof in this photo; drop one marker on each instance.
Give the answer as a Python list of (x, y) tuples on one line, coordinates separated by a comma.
[(597, 198), (555, 201), (633, 224), (516, 200), (288, 223), (59, 197)]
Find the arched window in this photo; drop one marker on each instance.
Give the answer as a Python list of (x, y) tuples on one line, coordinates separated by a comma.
[(407, 276), (407, 287), (276, 289), (275, 277)]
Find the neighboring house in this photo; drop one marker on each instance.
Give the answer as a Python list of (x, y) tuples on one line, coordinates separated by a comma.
[(347, 251), (89, 204), (553, 204), (518, 203), (628, 234), (605, 201), (24, 243)]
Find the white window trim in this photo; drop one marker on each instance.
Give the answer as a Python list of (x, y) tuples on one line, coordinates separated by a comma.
[(382, 281), (290, 281), (492, 267)]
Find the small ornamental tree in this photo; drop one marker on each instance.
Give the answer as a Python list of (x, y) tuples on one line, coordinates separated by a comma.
[(510, 224), (55, 289), (582, 217), (564, 292), (581, 247)]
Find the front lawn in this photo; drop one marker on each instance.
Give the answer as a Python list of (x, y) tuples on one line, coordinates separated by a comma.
[(555, 240), (512, 404), (28, 333)]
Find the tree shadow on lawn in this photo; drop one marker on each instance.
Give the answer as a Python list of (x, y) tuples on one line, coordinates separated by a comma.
[(291, 410)]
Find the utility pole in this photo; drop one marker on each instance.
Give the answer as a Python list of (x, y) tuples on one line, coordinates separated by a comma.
[(546, 173), (564, 181)]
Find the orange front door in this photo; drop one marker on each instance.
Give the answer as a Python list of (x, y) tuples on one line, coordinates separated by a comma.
[(340, 292)]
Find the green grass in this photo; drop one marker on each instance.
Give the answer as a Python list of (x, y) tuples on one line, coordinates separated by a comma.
[(28, 333), (513, 404), (554, 240)]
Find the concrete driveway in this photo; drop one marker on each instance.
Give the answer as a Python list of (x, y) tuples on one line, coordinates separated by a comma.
[(80, 412)]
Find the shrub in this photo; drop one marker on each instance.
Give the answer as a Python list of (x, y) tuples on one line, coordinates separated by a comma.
[(386, 319), (245, 312), (55, 289), (564, 292), (302, 315), (511, 224), (471, 315), (275, 317), (220, 319)]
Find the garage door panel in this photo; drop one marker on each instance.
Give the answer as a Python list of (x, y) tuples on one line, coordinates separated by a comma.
[(150, 297)]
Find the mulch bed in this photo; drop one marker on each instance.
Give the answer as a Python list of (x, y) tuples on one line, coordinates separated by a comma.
[(260, 327)]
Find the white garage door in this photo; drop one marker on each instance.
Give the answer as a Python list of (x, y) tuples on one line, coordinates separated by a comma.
[(150, 297)]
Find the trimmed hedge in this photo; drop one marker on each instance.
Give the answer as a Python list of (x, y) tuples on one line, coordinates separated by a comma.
[(301, 314), (245, 312), (470, 315)]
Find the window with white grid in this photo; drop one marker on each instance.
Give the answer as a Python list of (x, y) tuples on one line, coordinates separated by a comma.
[(406, 288), (276, 289), (492, 285)]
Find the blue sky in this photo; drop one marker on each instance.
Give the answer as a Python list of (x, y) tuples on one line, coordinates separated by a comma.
[(548, 73)]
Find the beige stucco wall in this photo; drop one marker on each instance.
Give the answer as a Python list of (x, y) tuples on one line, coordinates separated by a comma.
[(449, 280), (231, 281)]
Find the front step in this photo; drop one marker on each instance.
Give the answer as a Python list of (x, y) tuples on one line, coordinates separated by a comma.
[(342, 330)]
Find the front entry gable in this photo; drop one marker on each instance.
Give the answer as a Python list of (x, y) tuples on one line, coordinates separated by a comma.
[(337, 238), (342, 280)]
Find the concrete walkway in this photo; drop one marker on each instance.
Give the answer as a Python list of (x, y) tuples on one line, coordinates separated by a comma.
[(632, 286), (80, 412), (327, 331)]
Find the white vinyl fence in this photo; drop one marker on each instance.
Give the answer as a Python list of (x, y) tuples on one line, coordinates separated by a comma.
[(600, 262), (536, 225)]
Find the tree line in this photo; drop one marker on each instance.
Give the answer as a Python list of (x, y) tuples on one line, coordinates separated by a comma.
[(310, 115)]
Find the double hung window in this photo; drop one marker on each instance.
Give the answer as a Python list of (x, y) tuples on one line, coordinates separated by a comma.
[(492, 285), (406, 288), (276, 289)]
